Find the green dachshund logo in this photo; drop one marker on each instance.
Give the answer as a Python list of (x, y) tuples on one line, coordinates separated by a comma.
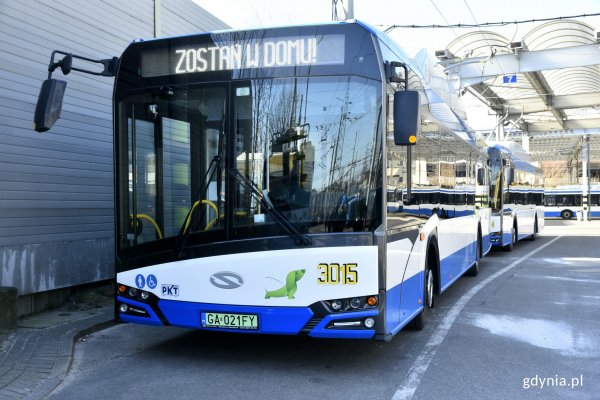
[(290, 287)]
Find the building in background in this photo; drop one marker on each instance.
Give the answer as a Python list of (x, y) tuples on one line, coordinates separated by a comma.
[(56, 188)]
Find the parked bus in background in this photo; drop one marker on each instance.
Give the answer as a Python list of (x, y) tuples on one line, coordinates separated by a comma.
[(250, 170), (517, 197), (566, 201)]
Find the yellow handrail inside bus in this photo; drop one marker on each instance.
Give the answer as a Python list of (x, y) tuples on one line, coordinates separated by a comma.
[(211, 204), (187, 223), (151, 220)]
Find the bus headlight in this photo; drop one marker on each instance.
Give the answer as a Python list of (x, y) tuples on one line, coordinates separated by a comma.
[(352, 303), (123, 308), (336, 305), (369, 323), (356, 302), (144, 295)]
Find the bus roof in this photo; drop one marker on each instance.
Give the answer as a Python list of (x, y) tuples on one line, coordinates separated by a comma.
[(368, 27)]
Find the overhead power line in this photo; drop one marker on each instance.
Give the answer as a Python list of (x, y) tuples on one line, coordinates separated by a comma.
[(487, 24)]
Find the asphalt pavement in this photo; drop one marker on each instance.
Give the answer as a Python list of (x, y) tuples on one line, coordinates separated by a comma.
[(527, 327)]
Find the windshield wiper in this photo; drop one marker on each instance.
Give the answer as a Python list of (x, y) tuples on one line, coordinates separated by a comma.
[(263, 197), (192, 217)]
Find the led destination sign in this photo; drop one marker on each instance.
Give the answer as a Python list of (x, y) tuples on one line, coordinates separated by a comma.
[(256, 53)]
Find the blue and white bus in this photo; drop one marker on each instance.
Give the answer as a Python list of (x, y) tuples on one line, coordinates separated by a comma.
[(566, 201), (250, 168), (517, 198)]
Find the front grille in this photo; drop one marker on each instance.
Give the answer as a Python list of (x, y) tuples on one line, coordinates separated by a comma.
[(310, 325)]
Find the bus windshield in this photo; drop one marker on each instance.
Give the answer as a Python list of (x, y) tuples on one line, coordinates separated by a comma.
[(311, 144)]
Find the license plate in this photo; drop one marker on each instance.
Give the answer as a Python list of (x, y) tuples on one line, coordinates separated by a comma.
[(229, 321)]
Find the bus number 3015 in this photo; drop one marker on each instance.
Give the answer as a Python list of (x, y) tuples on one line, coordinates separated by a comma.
[(338, 274)]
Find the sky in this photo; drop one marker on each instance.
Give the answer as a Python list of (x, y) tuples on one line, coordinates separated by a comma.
[(241, 14), (383, 13)]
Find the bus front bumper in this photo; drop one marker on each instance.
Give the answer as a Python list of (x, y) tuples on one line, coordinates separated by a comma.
[(271, 320)]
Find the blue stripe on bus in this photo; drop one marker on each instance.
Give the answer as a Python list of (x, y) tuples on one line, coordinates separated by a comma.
[(551, 214), (402, 303), (406, 296), (556, 214), (453, 266), (271, 320), (486, 244), (446, 213), (506, 238)]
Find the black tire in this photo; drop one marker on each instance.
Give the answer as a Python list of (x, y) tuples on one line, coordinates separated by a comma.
[(566, 214), (418, 323), (474, 270)]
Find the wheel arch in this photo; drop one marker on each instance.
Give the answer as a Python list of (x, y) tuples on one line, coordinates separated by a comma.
[(432, 259)]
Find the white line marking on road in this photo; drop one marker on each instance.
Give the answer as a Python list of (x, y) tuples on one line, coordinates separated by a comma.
[(564, 278), (413, 378)]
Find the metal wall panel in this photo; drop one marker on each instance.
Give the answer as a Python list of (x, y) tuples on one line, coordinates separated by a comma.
[(56, 188), (183, 16)]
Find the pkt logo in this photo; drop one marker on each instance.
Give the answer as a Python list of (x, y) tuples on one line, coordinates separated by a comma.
[(170, 290)]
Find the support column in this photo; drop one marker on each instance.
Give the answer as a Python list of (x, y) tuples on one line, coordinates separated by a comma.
[(585, 177), (157, 19), (500, 129), (588, 197)]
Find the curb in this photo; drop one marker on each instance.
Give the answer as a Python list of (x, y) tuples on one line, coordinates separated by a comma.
[(36, 361), (49, 385), (94, 328)]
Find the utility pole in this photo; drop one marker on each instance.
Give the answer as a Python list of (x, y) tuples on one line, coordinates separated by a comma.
[(585, 174), (589, 178)]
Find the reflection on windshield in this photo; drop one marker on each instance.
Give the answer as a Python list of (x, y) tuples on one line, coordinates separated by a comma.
[(311, 144)]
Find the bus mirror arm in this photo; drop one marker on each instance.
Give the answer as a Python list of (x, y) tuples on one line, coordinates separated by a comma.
[(50, 99), (109, 65)]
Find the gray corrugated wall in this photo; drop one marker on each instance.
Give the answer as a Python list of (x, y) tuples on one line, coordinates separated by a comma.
[(56, 188)]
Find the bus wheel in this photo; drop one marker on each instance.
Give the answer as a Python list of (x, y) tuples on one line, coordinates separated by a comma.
[(535, 229), (418, 323), (513, 239), (566, 214)]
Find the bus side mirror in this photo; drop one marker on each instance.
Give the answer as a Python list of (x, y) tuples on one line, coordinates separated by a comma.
[(407, 119), (49, 104)]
